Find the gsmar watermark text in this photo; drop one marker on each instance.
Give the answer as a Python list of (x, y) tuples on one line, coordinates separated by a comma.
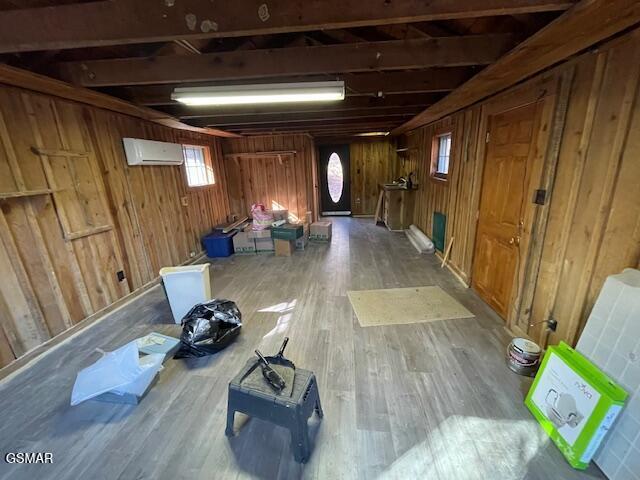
[(28, 457)]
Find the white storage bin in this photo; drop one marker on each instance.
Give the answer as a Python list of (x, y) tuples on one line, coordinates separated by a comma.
[(185, 287), (120, 372)]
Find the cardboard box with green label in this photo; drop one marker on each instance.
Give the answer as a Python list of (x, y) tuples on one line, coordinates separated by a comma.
[(575, 402)]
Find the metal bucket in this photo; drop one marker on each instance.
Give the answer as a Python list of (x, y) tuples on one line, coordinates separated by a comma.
[(523, 356)]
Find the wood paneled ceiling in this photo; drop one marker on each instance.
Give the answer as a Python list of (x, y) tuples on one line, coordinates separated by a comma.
[(397, 57)]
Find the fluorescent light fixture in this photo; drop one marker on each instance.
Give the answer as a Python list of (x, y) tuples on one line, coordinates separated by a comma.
[(265, 93), (372, 134)]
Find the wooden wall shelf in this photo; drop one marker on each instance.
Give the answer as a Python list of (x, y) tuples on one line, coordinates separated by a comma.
[(275, 153), (59, 153)]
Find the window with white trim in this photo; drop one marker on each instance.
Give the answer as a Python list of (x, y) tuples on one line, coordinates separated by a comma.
[(442, 153), (198, 165)]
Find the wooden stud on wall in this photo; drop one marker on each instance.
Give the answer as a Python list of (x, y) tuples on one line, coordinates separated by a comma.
[(524, 305), (63, 314), (592, 225), (571, 186), (616, 150), (55, 281)]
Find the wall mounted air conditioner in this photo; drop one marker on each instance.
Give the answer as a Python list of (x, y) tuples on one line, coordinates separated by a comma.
[(149, 152)]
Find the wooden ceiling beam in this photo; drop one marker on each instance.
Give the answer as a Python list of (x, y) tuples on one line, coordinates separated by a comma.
[(118, 22), (348, 104), (39, 83), (337, 138), (254, 64), (360, 84), (371, 123), (429, 80), (341, 36), (311, 131), (338, 129), (292, 117), (586, 24), (323, 124)]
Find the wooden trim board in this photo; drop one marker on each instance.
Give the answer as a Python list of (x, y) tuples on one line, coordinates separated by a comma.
[(524, 304)]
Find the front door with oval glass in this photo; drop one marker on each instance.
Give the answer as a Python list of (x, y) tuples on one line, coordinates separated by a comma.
[(335, 194)]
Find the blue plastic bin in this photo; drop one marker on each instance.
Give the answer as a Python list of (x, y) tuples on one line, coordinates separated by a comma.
[(218, 244)]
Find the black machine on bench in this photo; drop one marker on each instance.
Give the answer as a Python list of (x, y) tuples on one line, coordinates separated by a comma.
[(272, 376)]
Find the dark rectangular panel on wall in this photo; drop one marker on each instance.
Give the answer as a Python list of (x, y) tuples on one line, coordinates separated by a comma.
[(439, 230)]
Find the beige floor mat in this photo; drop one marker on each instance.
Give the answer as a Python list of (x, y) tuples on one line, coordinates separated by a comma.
[(395, 306)]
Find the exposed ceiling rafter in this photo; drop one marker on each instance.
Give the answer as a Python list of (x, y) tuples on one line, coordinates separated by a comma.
[(586, 24), (360, 84), (118, 22), (251, 64)]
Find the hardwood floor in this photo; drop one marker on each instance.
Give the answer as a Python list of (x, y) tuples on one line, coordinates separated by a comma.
[(432, 400)]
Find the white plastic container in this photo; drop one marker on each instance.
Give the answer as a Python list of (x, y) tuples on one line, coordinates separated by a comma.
[(120, 372), (185, 287)]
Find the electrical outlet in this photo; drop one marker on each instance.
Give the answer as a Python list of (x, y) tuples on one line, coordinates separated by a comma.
[(192, 254), (185, 201), (120, 275)]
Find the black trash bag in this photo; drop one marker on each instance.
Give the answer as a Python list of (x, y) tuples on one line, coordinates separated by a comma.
[(208, 328)]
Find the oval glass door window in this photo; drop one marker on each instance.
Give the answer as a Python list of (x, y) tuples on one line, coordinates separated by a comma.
[(335, 177)]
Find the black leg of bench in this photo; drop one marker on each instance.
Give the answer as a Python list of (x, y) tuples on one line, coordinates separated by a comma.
[(230, 416)]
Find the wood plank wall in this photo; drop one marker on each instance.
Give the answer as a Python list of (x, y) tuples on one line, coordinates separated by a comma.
[(372, 163), (72, 218), (456, 197), (594, 221), (593, 227), (284, 181)]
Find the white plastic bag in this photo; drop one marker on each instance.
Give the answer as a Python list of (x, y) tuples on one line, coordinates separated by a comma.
[(119, 372)]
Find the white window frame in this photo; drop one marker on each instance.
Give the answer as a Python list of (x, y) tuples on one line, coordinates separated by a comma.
[(441, 161), (198, 166)]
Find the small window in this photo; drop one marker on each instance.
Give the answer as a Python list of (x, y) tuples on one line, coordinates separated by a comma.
[(197, 163), (441, 155), (335, 177)]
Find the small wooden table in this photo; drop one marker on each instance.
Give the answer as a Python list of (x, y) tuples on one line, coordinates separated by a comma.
[(397, 208)]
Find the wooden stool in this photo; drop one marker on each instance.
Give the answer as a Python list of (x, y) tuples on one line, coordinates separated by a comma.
[(289, 412)]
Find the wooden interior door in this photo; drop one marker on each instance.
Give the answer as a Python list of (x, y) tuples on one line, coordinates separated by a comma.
[(508, 165)]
